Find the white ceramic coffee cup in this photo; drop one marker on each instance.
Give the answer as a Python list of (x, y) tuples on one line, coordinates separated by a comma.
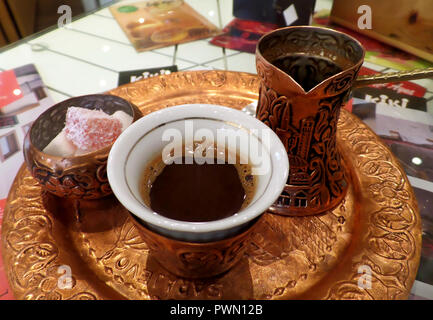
[(142, 142)]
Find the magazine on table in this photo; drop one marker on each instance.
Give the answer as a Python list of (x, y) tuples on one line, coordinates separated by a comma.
[(155, 24), (22, 99)]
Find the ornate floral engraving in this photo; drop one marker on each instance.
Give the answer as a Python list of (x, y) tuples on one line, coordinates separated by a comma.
[(192, 260), (31, 254), (317, 174), (392, 246)]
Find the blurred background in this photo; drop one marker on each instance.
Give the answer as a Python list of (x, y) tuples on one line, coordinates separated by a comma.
[(21, 18)]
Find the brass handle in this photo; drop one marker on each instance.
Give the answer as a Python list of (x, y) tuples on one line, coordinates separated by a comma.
[(362, 81)]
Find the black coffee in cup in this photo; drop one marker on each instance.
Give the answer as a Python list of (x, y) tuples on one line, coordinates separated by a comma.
[(197, 192)]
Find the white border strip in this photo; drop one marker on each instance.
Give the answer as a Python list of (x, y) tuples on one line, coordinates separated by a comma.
[(422, 289), (421, 183)]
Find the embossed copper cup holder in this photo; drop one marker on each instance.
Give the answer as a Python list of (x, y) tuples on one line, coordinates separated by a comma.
[(77, 177), (196, 260), (194, 249)]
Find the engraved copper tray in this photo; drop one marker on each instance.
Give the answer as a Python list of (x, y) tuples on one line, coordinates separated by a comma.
[(376, 227)]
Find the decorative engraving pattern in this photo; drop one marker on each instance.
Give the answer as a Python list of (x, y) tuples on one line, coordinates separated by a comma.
[(390, 235), (288, 257), (343, 82), (29, 246), (191, 260), (85, 181), (317, 174), (306, 75)]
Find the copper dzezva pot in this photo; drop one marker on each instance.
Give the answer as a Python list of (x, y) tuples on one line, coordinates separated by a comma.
[(303, 109)]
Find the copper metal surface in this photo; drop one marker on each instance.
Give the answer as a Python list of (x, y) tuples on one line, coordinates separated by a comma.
[(306, 119), (195, 260), (376, 227), (77, 177)]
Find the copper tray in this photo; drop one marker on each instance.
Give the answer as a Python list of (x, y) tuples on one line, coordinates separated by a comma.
[(376, 227)]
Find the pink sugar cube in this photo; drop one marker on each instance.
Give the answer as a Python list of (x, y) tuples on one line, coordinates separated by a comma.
[(91, 130)]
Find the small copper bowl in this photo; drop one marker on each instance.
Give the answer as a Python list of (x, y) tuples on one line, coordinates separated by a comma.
[(196, 260), (76, 177)]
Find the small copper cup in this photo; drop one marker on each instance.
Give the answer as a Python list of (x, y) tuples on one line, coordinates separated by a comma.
[(306, 75), (194, 249), (77, 177)]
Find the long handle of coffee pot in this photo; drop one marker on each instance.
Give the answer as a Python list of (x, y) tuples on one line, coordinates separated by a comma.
[(362, 81)]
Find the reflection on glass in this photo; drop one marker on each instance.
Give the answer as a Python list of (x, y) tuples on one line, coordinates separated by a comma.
[(417, 161)]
